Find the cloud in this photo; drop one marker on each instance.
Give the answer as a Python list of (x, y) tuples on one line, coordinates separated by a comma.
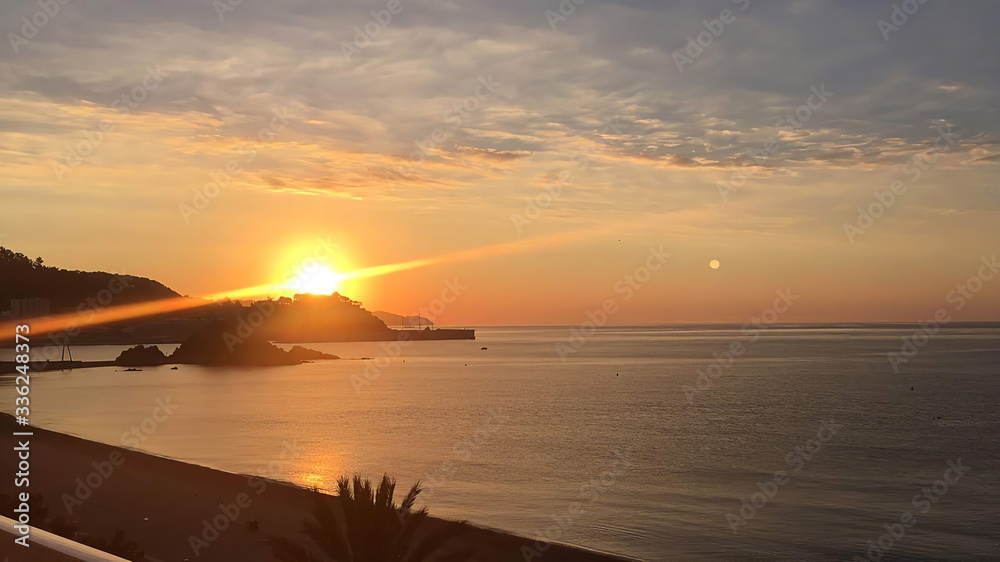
[(494, 154), (357, 123)]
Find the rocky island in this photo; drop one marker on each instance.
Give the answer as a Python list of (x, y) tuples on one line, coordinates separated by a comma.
[(220, 345)]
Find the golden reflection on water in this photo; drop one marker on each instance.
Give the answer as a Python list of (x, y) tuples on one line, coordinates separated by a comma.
[(317, 469)]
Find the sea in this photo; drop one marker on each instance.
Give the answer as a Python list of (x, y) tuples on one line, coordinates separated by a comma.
[(654, 443)]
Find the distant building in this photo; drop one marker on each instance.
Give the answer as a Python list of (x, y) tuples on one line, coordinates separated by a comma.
[(30, 308)]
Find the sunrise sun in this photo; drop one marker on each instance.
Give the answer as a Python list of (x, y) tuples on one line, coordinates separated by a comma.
[(315, 278)]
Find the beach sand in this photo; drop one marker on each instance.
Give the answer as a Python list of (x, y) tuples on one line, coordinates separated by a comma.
[(162, 503)]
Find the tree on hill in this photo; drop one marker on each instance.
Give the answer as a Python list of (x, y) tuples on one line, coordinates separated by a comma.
[(321, 317), (15, 261), (21, 277)]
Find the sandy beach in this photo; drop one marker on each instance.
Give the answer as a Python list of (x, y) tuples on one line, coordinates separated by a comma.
[(166, 506)]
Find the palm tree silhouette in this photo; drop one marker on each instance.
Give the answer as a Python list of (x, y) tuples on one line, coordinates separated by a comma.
[(372, 528)]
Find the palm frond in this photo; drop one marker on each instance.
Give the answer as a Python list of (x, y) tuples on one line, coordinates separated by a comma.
[(411, 497), (370, 527)]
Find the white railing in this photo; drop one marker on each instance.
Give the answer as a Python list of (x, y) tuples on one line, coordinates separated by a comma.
[(56, 543)]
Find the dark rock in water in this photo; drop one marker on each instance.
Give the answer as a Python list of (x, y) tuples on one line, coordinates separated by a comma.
[(227, 343), (141, 356), (173, 368), (483, 349), (132, 369), (304, 354)]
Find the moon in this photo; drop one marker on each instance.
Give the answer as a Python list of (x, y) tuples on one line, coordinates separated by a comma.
[(714, 264)]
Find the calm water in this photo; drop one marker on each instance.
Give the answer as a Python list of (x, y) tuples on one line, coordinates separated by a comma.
[(511, 437)]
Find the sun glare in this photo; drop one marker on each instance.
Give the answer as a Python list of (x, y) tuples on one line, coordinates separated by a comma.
[(315, 278)]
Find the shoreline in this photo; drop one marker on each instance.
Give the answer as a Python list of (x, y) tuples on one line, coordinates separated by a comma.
[(164, 338), (165, 505), (10, 367)]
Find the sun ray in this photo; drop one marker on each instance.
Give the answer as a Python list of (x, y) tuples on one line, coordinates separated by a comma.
[(73, 321), (326, 278), (474, 253)]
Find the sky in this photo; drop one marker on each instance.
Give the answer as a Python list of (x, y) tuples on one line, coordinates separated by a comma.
[(564, 157)]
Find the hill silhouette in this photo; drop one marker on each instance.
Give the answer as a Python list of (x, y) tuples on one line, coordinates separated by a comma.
[(22, 277), (304, 318), (310, 317), (396, 320)]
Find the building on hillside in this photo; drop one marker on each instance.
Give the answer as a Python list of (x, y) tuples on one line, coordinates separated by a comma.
[(30, 308)]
